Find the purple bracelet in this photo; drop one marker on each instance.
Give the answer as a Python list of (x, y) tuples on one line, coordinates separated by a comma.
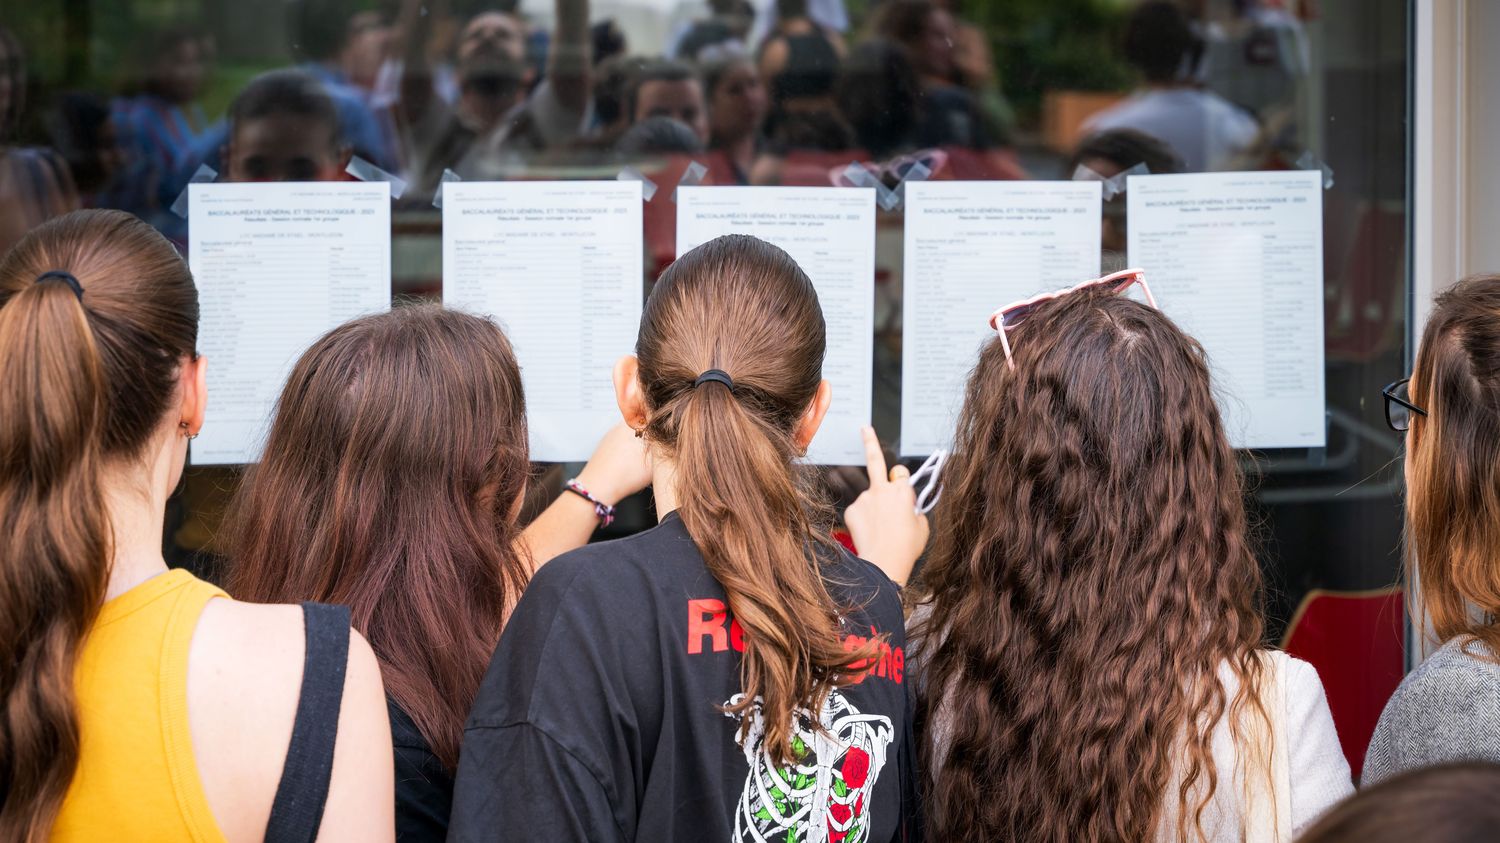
[(605, 512)]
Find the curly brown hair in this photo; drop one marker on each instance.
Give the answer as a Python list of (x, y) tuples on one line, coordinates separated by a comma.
[(1091, 577)]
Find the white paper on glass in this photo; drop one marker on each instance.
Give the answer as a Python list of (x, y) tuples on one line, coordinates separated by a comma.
[(277, 265), (972, 247), (830, 233), (1236, 259), (559, 265)]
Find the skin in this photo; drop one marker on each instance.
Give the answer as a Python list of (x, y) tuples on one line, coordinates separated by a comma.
[(680, 99), (492, 31), (738, 105), (245, 662), (180, 75), (365, 49), (933, 51), (631, 398), (284, 147)]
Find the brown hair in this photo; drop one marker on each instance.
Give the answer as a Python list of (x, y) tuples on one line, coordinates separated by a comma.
[(87, 381), (1453, 502), (1453, 803), (743, 306), (388, 484), (1090, 576)]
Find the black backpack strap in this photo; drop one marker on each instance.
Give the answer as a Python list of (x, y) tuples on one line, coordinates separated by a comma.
[(303, 791)]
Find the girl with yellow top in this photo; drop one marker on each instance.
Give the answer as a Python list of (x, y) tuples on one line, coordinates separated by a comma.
[(138, 703)]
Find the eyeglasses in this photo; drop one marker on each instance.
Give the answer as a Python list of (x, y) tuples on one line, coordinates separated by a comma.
[(1398, 406), (1015, 313)]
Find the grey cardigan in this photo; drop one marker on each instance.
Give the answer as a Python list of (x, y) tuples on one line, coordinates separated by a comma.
[(1448, 709)]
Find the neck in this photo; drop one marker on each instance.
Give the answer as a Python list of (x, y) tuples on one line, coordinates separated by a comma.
[(664, 486), (135, 496)]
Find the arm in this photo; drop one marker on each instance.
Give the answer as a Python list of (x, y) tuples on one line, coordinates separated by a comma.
[(362, 790), (410, 48), (883, 520), (1319, 772), (617, 470), (568, 62)]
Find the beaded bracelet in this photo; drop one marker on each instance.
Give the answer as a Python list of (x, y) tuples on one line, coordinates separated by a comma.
[(605, 512)]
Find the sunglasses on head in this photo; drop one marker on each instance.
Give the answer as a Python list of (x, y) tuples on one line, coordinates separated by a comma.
[(1013, 314)]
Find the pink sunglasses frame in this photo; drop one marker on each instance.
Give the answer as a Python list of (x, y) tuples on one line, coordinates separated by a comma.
[(1122, 281)]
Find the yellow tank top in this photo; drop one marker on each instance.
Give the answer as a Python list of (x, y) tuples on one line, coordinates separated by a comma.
[(137, 778)]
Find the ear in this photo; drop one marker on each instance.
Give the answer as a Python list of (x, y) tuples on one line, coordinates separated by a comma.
[(194, 381), (628, 392), (812, 417)]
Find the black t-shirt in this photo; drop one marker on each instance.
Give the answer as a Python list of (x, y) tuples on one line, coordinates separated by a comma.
[(601, 715), (424, 787)]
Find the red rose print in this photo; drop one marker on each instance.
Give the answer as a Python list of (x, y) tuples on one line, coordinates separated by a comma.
[(856, 768), (840, 813)]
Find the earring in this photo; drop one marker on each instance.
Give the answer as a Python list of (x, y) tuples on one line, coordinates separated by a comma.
[(182, 428), (640, 432)]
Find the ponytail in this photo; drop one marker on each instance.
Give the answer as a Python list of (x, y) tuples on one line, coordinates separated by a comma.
[(87, 373), (733, 449), (54, 544)]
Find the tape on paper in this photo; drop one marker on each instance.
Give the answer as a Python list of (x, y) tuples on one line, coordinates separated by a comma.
[(202, 175), (365, 171), (648, 187)]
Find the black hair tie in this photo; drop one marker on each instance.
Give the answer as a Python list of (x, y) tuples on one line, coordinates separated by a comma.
[(715, 376), (60, 275)]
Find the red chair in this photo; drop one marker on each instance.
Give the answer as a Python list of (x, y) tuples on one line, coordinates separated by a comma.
[(1356, 640)]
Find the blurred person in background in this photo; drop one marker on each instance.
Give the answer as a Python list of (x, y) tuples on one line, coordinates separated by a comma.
[(974, 69), (82, 128), (879, 93), (1206, 130), (319, 32), (1105, 156), (726, 30), (35, 184), (737, 105), (658, 136), (799, 60), (157, 115), (669, 89), (556, 111), (492, 76), (949, 114), (284, 127)]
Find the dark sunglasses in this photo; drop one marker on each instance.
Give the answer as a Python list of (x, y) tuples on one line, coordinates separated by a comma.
[(1398, 406)]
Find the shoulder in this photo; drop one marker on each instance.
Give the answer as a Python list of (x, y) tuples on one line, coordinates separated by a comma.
[(1457, 664), (664, 552), (859, 584), (1457, 675), (255, 652), (1446, 709), (245, 669)]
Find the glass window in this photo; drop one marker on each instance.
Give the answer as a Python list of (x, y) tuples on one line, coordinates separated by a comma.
[(117, 104)]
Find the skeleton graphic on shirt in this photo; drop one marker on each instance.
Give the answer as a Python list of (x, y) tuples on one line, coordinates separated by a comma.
[(825, 797)]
